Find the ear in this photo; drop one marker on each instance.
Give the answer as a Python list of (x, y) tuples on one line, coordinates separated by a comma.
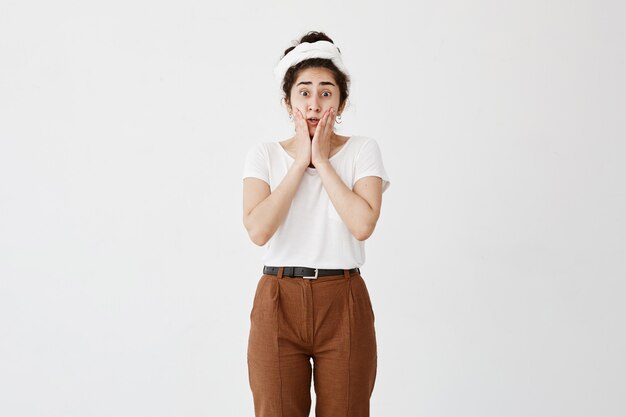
[(341, 107), (287, 105)]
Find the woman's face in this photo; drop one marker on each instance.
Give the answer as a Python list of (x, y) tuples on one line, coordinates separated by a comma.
[(314, 92)]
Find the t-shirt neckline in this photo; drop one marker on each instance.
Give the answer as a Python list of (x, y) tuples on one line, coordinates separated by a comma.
[(330, 159)]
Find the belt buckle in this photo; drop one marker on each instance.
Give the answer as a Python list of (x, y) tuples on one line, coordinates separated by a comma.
[(311, 277)]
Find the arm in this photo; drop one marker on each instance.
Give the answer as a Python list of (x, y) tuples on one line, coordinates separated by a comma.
[(263, 210), (359, 208)]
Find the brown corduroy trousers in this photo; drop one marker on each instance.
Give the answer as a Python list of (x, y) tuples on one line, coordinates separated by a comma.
[(329, 320)]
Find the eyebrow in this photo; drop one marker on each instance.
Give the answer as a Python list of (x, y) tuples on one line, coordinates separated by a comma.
[(320, 83)]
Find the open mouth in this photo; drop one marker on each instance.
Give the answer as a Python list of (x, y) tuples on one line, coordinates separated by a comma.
[(313, 121)]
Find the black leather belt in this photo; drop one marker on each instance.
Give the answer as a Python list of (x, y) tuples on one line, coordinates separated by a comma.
[(304, 272)]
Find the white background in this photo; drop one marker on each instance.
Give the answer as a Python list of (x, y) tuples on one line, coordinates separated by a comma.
[(497, 270)]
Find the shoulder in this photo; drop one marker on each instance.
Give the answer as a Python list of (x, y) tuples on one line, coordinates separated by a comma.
[(361, 139), (263, 148), (260, 146), (362, 143)]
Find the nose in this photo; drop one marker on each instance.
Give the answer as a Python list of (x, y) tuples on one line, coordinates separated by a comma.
[(314, 104)]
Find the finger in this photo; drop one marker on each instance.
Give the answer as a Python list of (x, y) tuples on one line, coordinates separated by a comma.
[(300, 122), (327, 116), (327, 123), (323, 121), (320, 127), (331, 125), (305, 126)]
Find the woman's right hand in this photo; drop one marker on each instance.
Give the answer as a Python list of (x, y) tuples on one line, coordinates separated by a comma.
[(303, 141)]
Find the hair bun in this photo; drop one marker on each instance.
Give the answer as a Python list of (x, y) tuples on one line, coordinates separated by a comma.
[(310, 37)]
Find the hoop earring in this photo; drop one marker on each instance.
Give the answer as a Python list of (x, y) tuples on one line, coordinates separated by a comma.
[(338, 119)]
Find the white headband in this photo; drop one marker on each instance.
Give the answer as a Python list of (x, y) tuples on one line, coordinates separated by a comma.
[(306, 50)]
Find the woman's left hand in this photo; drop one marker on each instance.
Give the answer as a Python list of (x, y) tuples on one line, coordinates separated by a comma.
[(320, 147)]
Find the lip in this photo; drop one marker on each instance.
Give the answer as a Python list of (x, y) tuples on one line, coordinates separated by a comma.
[(312, 122)]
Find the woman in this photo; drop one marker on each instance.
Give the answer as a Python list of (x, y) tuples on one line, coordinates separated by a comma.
[(317, 196)]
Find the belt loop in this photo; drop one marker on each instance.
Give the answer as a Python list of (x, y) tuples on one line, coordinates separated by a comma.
[(346, 274), (280, 272)]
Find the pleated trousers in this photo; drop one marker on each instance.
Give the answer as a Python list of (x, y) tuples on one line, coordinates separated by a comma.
[(327, 322)]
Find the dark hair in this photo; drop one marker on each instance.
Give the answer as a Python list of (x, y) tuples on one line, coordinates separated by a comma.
[(292, 73)]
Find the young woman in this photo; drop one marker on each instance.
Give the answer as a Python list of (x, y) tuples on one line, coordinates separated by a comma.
[(315, 197)]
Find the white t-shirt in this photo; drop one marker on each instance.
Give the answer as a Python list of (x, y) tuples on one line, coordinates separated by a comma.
[(312, 234)]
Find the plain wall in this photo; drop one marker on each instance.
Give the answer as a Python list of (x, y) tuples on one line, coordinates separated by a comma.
[(497, 269)]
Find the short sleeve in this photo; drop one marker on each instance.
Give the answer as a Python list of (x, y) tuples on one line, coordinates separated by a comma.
[(369, 162), (257, 163)]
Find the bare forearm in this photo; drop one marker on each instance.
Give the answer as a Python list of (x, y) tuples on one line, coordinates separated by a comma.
[(356, 213), (263, 221)]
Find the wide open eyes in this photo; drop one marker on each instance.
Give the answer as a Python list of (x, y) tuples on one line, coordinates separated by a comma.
[(326, 93)]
